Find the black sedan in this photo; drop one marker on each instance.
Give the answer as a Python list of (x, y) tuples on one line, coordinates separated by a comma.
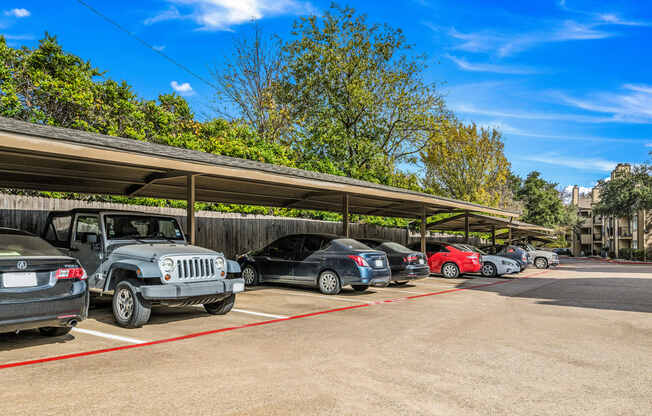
[(406, 264), (39, 286), (325, 261)]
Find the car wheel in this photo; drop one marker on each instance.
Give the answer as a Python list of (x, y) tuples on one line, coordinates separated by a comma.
[(360, 288), (250, 275), (129, 310), (541, 263), (401, 282), (222, 307), (54, 331), (450, 270), (489, 270), (329, 283)]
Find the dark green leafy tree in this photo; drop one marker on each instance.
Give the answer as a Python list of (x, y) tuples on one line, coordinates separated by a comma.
[(542, 202), (625, 194)]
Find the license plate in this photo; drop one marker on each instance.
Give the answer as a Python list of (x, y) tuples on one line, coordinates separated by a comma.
[(378, 263), (421, 261), (19, 279), (238, 287)]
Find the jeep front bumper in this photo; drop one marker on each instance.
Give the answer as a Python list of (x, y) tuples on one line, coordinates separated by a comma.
[(191, 290)]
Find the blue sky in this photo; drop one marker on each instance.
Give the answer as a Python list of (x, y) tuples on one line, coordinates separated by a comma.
[(567, 82)]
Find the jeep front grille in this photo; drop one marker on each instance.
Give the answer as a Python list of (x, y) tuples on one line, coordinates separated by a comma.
[(196, 268)]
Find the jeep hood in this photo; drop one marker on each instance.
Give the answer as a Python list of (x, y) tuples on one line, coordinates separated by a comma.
[(157, 250)]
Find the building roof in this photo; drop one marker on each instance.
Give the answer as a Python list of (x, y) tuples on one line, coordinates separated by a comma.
[(35, 156)]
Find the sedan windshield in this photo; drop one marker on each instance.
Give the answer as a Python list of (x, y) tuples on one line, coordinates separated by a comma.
[(142, 227), (475, 249), (19, 245), (396, 247)]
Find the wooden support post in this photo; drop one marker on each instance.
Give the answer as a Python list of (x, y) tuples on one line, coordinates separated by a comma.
[(466, 227), (423, 230), (190, 210), (509, 240), (493, 235), (345, 215)]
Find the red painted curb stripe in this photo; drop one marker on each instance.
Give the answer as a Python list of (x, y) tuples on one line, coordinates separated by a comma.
[(233, 328)]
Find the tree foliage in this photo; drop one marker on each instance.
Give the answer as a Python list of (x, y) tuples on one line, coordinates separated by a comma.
[(357, 96), (626, 193), (542, 202), (467, 163)]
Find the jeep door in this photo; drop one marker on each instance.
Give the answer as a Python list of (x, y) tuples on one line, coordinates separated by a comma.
[(85, 245), (309, 260), (278, 258)]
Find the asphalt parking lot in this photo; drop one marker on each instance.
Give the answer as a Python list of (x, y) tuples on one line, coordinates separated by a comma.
[(576, 339)]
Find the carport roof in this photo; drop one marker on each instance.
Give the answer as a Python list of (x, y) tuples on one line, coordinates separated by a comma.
[(485, 223), (35, 156)]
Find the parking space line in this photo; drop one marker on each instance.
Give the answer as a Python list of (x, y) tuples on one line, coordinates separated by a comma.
[(267, 315), (109, 336), (250, 325)]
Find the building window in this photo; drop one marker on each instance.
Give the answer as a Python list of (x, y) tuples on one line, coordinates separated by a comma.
[(635, 244), (634, 223)]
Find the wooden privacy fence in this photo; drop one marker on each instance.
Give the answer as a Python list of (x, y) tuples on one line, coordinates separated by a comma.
[(231, 234)]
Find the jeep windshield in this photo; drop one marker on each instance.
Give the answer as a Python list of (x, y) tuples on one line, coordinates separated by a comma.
[(141, 227)]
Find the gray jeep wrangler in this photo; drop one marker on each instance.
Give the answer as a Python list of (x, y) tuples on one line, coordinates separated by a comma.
[(142, 260)]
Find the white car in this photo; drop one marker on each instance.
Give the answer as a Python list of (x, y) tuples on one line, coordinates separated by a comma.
[(542, 259), (494, 266)]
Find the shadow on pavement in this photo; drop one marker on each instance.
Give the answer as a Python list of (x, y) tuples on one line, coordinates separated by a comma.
[(29, 338), (611, 293)]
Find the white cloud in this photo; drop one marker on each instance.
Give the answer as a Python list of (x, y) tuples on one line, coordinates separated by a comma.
[(223, 14), (633, 104), (159, 48), (578, 118), (613, 19), (19, 13), (588, 164), (499, 69), (184, 88)]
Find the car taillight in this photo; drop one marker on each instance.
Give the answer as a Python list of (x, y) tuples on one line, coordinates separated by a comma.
[(524, 257), (71, 273), (409, 259), (359, 261)]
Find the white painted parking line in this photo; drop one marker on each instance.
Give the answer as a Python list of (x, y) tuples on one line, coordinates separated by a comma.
[(266, 315), (109, 336)]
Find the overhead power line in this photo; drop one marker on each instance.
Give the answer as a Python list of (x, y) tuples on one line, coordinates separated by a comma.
[(141, 40)]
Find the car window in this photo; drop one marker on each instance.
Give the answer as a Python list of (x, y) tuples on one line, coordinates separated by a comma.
[(461, 247), (371, 243), (141, 226), (396, 247), (59, 228), (18, 244), (86, 225), (312, 243), (437, 248), (285, 248), (351, 244)]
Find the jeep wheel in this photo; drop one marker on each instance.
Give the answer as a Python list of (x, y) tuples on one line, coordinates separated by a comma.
[(250, 275), (541, 263), (222, 307), (54, 331), (488, 270), (450, 271), (129, 310), (329, 283), (360, 288)]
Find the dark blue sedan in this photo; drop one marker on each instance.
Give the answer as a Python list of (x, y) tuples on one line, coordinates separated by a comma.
[(324, 261)]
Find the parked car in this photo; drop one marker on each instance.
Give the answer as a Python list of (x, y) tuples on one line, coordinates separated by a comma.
[(494, 266), (39, 286), (450, 260), (542, 259), (325, 261), (563, 251), (142, 260), (512, 252), (406, 264)]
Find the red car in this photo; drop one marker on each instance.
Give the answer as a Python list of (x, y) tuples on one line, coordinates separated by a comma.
[(451, 260)]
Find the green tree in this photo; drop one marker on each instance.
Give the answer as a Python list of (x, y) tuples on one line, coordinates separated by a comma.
[(466, 163), (542, 202), (357, 95), (626, 193)]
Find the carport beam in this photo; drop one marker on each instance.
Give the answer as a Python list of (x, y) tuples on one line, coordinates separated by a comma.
[(345, 215), (190, 210)]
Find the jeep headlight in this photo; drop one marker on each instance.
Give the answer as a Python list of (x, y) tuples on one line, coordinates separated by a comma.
[(167, 265), (219, 263)]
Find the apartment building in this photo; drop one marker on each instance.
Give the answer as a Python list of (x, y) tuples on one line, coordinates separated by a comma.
[(600, 235)]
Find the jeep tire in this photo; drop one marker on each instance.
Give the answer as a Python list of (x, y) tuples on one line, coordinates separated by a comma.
[(222, 307), (129, 310)]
